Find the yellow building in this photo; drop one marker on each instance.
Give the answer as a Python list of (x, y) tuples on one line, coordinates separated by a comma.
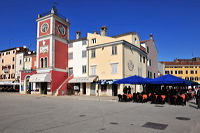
[(188, 69), (112, 58)]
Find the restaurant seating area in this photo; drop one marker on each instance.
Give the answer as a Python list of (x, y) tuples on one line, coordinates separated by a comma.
[(172, 97)]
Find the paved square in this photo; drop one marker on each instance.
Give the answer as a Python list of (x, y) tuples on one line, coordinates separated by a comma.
[(85, 114)]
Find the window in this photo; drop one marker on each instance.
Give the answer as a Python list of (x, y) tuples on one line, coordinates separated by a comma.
[(180, 72), (191, 78), (171, 72), (70, 45), (94, 41), (186, 78), (45, 62), (196, 78), (84, 53), (70, 71), (149, 62), (2, 60), (175, 72), (186, 72), (114, 49), (84, 43), (13, 58), (84, 69), (20, 61), (13, 66), (41, 63), (93, 53), (70, 55), (143, 59), (195, 71), (140, 58), (147, 49), (93, 70), (191, 72), (114, 68), (166, 72)]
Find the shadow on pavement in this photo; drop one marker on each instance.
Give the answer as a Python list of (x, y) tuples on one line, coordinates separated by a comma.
[(192, 102), (193, 106)]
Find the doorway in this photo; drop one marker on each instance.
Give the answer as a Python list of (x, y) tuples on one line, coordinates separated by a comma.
[(84, 88), (44, 88), (114, 90)]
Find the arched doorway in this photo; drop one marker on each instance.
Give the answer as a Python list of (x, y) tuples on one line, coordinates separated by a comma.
[(28, 85)]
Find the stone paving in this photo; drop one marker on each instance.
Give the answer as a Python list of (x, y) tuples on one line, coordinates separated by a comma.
[(89, 114)]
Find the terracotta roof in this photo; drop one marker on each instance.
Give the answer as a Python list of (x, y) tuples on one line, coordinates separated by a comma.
[(143, 48), (144, 41), (181, 63)]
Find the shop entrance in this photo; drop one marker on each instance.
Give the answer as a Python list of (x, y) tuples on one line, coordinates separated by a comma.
[(44, 88), (84, 88), (114, 90)]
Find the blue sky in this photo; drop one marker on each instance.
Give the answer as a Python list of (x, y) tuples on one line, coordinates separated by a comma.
[(175, 24)]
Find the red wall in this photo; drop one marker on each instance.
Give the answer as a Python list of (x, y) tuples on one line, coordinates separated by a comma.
[(25, 73), (64, 87), (61, 55), (57, 79)]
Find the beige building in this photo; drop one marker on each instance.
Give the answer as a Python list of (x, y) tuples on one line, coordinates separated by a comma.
[(112, 58), (9, 67)]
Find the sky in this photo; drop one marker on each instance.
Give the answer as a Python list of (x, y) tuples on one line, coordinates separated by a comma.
[(175, 24)]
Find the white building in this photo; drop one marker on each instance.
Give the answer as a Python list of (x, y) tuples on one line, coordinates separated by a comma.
[(78, 65)]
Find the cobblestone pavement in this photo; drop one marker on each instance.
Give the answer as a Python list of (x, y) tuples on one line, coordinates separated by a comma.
[(89, 114)]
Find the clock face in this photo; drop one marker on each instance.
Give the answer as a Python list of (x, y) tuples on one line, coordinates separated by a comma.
[(130, 65), (44, 27), (61, 29)]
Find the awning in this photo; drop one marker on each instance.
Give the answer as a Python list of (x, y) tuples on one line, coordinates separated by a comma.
[(105, 81), (82, 79), (8, 83), (46, 77)]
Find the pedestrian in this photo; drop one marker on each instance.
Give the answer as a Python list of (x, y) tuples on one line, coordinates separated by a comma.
[(198, 99), (195, 94)]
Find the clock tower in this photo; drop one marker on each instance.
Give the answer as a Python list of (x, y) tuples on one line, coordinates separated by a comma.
[(52, 53)]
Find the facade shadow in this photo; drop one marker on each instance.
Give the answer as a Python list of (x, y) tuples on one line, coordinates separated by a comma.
[(193, 106)]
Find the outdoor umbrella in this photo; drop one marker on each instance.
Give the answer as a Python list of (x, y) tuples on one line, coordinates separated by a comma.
[(132, 80), (169, 80)]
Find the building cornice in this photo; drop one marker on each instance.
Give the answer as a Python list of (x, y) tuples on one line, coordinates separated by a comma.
[(125, 43)]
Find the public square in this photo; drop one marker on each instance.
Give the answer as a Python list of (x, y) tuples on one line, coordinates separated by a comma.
[(89, 114)]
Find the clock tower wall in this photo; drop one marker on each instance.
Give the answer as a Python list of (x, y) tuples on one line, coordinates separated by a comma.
[(61, 55), (46, 24), (44, 52), (59, 27)]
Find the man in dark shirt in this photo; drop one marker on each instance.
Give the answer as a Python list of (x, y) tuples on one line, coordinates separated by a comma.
[(198, 99)]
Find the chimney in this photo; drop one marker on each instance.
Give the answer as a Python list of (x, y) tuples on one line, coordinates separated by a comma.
[(151, 36), (78, 35), (95, 32), (103, 30)]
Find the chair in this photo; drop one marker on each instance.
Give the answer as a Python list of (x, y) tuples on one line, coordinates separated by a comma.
[(120, 97), (124, 97)]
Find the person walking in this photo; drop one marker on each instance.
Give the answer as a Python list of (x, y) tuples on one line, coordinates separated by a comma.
[(195, 95), (198, 99)]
